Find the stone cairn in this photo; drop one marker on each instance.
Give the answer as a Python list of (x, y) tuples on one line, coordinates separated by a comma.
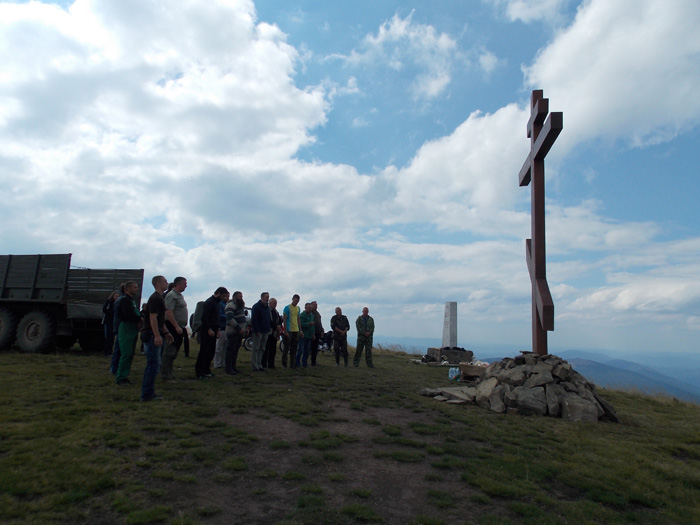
[(530, 384)]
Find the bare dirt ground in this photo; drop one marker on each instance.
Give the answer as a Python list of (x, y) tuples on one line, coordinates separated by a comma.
[(394, 490)]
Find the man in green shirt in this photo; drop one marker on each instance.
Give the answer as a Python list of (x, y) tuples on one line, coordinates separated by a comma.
[(176, 322)]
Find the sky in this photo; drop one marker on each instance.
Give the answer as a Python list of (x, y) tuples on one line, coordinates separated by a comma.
[(364, 153)]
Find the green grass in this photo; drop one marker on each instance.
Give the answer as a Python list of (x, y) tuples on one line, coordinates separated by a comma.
[(325, 445)]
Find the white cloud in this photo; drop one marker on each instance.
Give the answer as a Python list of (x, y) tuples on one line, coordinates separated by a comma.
[(161, 108), (582, 228), (488, 62), (644, 294), (645, 278), (165, 81), (359, 122), (468, 180), (532, 10), (627, 69), (402, 44)]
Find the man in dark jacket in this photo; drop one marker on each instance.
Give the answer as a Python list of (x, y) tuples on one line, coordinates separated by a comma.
[(276, 326), (209, 331), (260, 319), (318, 332), (108, 321), (340, 326), (236, 330), (116, 355)]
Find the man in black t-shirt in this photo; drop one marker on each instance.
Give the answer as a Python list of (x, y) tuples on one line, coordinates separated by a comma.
[(152, 335)]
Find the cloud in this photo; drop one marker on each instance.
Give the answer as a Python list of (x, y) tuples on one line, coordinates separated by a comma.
[(582, 228), (416, 49), (182, 89), (643, 280), (532, 10), (628, 69), (359, 122), (644, 294), (139, 112), (467, 180), (488, 62)]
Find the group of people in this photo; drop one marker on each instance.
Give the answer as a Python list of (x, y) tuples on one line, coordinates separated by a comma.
[(162, 324)]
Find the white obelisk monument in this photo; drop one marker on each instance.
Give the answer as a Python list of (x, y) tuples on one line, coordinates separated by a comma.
[(449, 328)]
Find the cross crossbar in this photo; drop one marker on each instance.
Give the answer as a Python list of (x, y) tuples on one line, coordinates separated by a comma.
[(545, 140)]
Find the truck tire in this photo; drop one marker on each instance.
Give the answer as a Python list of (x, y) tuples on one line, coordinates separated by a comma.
[(248, 343), (36, 332), (8, 327)]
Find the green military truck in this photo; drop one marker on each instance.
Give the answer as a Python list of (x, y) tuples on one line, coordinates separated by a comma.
[(44, 303)]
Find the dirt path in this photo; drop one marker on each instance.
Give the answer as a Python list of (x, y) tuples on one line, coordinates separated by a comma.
[(329, 479)]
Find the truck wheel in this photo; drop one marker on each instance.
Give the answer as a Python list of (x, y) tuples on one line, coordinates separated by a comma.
[(248, 344), (36, 332), (8, 327), (283, 345)]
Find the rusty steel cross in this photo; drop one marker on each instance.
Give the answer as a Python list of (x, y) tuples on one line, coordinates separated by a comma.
[(542, 134)]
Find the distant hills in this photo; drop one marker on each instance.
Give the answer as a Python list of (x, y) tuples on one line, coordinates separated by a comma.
[(628, 375), (673, 374)]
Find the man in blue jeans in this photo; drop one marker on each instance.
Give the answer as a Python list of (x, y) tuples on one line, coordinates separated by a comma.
[(116, 355), (152, 335)]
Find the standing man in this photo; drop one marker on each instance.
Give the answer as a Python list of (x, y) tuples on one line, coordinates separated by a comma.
[(220, 352), (276, 328), (108, 322), (340, 326), (209, 331), (236, 330), (116, 356), (308, 334), (176, 323), (318, 332), (365, 331), (152, 336), (291, 326), (260, 320), (129, 320)]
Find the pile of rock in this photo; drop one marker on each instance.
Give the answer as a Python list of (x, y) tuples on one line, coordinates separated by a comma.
[(531, 385)]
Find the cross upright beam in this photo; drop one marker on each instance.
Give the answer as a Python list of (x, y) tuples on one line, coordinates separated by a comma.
[(542, 134)]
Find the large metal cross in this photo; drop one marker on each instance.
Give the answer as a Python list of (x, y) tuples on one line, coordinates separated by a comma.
[(542, 134)]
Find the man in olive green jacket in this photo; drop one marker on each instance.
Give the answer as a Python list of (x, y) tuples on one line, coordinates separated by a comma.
[(365, 331)]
